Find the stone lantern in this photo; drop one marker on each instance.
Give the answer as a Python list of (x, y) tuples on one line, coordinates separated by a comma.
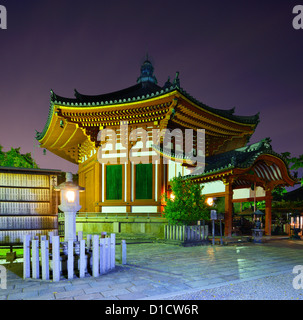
[(257, 231), (69, 205)]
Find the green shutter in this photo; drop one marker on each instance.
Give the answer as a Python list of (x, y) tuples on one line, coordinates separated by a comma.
[(144, 181), (114, 182)]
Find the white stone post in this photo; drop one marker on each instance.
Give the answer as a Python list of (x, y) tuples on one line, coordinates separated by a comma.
[(123, 252), (70, 259), (35, 259), (50, 235), (88, 241), (107, 243), (82, 259), (45, 259), (102, 256), (56, 258), (113, 251), (95, 255), (26, 257)]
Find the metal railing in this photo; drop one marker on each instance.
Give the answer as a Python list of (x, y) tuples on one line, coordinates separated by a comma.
[(186, 233)]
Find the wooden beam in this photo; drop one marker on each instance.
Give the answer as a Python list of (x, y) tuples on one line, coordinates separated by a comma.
[(249, 199)]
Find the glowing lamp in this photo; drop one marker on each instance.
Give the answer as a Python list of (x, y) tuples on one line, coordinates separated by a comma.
[(70, 196), (172, 197), (69, 205), (210, 201)]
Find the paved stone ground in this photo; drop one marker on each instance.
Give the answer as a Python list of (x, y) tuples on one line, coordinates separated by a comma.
[(157, 271)]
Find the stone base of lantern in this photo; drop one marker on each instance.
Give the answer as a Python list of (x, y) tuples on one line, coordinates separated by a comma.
[(64, 266)]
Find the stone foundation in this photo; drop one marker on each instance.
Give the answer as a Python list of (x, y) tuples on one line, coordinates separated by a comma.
[(95, 225)]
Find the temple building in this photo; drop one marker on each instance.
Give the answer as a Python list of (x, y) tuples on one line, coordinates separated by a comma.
[(82, 130)]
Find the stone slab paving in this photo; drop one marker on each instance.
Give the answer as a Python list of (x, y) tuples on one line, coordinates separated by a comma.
[(161, 271)]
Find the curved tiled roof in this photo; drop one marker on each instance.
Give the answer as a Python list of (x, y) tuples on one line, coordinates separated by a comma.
[(145, 89), (137, 91), (141, 91), (239, 158), (40, 135)]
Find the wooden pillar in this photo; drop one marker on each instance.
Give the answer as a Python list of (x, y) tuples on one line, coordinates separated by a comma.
[(164, 181), (228, 219), (98, 185), (268, 201), (128, 173), (81, 180), (160, 183)]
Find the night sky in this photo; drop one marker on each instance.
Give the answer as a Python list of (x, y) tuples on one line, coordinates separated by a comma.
[(243, 54)]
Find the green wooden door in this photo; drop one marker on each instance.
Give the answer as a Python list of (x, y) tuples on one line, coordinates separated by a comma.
[(114, 182), (144, 181)]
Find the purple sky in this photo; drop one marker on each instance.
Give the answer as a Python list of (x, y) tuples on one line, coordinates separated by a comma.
[(243, 54)]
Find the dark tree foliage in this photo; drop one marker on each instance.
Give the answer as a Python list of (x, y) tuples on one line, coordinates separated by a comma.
[(13, 158)]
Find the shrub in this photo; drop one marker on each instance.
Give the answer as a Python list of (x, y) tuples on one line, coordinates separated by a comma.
[(187, 205)]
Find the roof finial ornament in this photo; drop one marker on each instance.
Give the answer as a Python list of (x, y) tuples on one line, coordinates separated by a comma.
[(53, 95), (177, 80), (167, 83), (147, 72), (267, 143)]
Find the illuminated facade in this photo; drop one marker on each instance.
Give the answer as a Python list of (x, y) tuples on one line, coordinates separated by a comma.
[(73, 125)]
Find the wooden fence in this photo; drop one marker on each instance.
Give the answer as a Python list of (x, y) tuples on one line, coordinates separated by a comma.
[(186, 233), (48, 256)]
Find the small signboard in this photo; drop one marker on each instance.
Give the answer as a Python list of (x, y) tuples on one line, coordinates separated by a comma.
[(213, 215)]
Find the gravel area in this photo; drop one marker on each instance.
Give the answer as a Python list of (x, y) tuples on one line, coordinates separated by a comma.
[(276, 287)]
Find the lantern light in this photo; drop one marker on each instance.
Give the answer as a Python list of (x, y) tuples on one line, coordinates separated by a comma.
[(210, 201), (70, 196)]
